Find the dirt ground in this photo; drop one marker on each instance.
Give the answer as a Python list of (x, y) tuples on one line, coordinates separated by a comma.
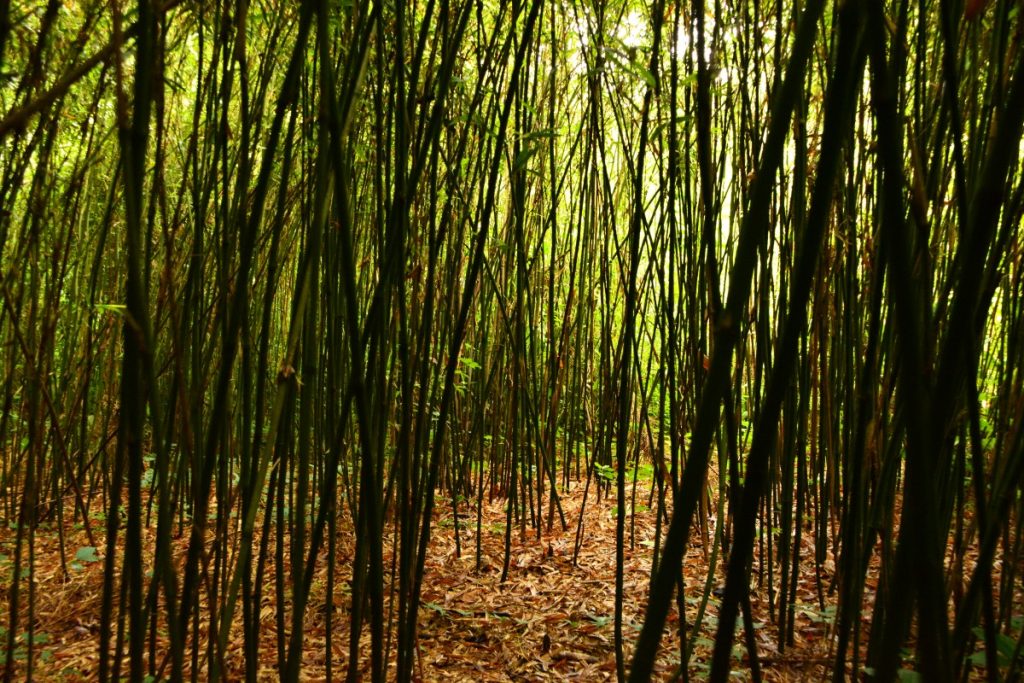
[(552, 619)]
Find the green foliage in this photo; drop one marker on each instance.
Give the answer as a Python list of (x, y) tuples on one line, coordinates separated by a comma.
[(1006, 650), (605, 473), (87, 555)]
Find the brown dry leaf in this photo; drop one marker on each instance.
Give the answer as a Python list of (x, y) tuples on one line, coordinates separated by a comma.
[(551, 620)]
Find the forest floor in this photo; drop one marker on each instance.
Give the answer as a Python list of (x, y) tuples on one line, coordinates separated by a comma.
[(552, 619)]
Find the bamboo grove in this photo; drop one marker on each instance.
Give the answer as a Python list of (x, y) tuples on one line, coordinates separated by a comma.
[(276, 270)]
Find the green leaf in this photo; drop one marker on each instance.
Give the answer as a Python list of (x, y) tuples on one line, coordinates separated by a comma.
[(87, 554), (523, 157), (1006, 646), (537, 134), (642, 71)]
